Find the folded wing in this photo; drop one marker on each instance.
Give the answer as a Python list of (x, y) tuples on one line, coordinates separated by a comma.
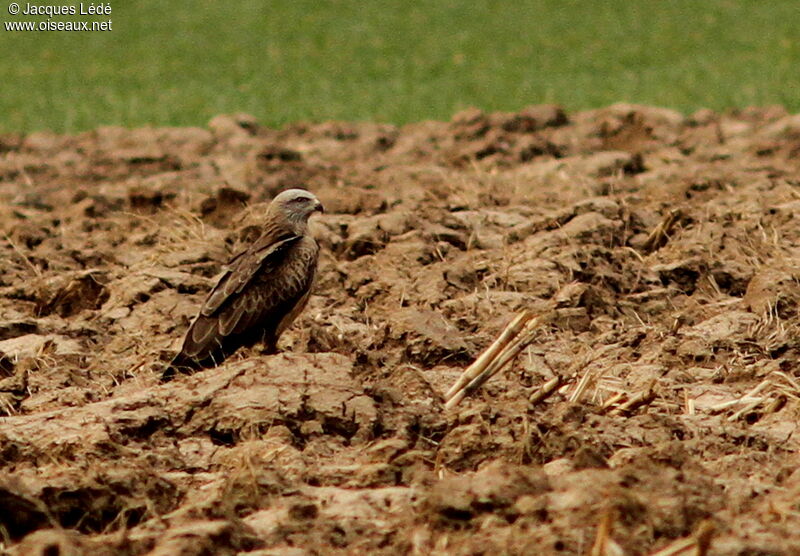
[(255, 291)]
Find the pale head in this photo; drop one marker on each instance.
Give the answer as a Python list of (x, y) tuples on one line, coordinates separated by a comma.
[(296, 205)]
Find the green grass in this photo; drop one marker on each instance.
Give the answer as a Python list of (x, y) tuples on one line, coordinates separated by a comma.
[(180, 63)]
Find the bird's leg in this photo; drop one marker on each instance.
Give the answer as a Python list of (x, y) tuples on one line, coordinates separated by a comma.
[(267, 345), (265, 348)]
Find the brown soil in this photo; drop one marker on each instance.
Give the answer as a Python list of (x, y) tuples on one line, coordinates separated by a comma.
[(436, 235)]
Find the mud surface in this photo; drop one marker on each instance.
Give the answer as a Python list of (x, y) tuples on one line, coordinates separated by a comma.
[(668, 244)]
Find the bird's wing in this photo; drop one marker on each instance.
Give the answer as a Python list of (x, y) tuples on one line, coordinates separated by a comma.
[(231, 306), (261, 287), (263, 256)]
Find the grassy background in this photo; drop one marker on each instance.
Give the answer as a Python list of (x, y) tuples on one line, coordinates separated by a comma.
[(180, 63)]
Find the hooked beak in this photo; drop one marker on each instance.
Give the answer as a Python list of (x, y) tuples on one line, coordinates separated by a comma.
[(319, 208)]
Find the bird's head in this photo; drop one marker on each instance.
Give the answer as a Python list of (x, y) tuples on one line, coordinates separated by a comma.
[(296, 205)]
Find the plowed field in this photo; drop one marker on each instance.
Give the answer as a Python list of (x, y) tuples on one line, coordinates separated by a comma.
[(668, 247)]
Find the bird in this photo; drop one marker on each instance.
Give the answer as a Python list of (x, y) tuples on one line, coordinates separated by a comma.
[(261, 291)]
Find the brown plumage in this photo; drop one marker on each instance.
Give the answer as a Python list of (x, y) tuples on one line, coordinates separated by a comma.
[(261, 292)]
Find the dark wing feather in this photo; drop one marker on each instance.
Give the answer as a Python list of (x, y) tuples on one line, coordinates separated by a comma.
[(272, 295), (228, 306), (238, 315), (202, 331), (263, 255)]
